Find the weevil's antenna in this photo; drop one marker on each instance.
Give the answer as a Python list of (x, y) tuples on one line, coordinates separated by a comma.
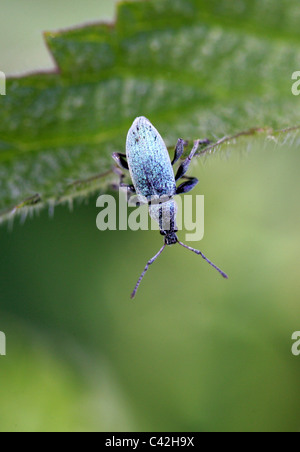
[(146, 268), (205, 258)]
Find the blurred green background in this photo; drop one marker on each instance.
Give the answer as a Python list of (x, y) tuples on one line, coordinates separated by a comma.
[(192, 352)]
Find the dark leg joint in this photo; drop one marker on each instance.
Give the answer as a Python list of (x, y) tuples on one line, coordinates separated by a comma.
[(185, 165), (187, 186), (179, 150), (120, 160)]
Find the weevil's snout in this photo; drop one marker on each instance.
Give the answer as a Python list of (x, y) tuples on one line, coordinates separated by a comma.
[(170, 237)]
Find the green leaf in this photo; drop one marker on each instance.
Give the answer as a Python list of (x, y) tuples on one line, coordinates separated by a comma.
[(195, 68)]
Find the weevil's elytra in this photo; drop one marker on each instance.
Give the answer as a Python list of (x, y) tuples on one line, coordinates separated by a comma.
[(151, 170), (148, 161)]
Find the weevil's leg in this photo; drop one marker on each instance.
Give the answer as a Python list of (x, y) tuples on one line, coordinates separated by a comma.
[(179, 150), (122, 176), (204, 257), (120, 160), (187, 186), (150, 262), (185, 165), (129, 188)]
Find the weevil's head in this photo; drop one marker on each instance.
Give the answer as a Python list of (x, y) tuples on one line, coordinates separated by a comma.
[(170, 237)]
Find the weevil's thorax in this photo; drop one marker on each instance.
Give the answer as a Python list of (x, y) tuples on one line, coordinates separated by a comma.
[(165, 215), (149, 161)]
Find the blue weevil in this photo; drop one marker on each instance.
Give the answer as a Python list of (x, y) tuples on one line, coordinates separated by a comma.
[(153, 180)]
